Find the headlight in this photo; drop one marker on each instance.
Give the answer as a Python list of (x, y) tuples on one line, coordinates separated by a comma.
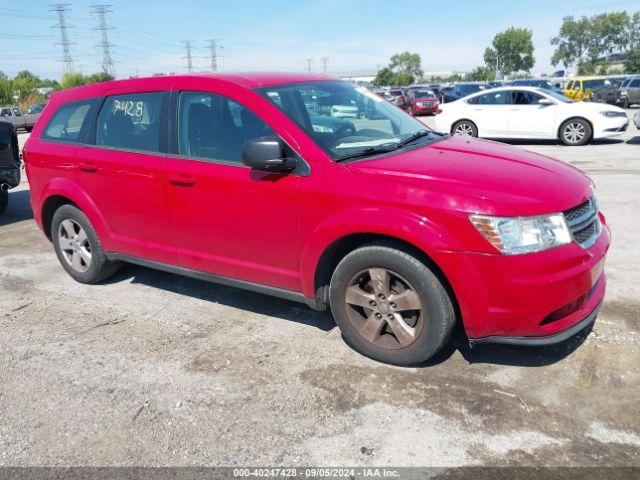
[(613, 114), (515, 235)]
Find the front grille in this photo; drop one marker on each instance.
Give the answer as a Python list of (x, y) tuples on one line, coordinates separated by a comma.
[(584, 223)]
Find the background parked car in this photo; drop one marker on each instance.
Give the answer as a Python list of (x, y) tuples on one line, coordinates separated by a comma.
[(630, 92), (536, 82), (462, 89), (398, 97), (580, 89), (19, 120), (636, 120), (9, 162), (36, 108), (528, 112), (421, 101)]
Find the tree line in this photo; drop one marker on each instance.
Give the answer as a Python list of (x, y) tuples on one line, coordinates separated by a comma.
[(26, 88), (587, 43)]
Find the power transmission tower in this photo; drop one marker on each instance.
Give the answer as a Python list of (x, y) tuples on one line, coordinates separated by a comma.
[(213, 48), (107, 62), (61, 9), (309, 60), (325, 62), (188, 48)]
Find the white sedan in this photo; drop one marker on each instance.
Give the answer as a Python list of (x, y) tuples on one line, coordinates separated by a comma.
[(530, 112)]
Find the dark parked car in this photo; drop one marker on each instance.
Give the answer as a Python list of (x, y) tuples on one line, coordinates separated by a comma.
[(536, 82), (9, 162), (461, 90)]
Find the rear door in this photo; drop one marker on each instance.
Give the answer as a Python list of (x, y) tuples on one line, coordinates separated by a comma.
[(122, 171), (226, 218), (634, 91), (529, 118)]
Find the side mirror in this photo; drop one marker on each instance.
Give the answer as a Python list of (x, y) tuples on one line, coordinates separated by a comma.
[(267, 154), (546, 102)]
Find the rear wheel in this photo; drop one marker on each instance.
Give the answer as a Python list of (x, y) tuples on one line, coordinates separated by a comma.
[(78, 248), (465, 128), (575, 132), (390, 306), (4, 200)]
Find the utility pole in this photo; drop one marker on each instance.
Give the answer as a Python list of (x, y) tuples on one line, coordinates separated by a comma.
[(188, 48), (61, 9), (213, 49), (309, 60), (107, 62), (325, 62)]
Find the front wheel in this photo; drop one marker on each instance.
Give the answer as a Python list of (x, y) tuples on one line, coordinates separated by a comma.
[(575, 132), (465, 128), (390, 306), (4, 200)]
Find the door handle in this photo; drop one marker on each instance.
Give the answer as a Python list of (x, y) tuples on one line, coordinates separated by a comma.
[(87, 167), (182, 181)]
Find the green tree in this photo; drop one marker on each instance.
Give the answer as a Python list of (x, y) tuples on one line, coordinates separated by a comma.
[(384, 78), (406, 62), (632, 65), (572, 42), (609, 33), (404, 78), (482, 74), (72, 79), (511, 51), (100, 77)]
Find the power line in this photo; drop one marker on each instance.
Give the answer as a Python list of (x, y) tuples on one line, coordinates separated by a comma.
[(107, 61), (188, 48), (61, 9)]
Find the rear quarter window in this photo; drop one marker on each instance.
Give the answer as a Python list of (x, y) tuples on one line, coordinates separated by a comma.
[(67, 123)]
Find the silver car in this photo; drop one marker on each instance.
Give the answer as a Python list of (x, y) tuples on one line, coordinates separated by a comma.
[(630, 92), (636, 119)]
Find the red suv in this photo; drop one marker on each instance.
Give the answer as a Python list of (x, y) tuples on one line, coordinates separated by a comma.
[(247, 180), (421, 101)]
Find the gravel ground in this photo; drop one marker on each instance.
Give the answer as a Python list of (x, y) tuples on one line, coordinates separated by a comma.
[(153, 369)]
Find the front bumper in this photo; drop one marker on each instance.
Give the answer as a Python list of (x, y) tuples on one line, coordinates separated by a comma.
[(544, 340), (418, 109), (610, 127), (519, 296)]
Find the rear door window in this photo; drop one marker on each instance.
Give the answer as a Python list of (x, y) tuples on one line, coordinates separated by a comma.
[(131, 122), (66, 124)]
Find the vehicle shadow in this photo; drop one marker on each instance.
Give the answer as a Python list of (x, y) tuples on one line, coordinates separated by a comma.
[(228, 296), (19, 208), (509, 355), (634, 140), (525, 142)]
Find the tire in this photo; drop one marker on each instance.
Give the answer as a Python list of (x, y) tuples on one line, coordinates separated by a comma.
[(465, 126), (575, 132), (4, 200), (371, 328), (626, 104), (81, 256)]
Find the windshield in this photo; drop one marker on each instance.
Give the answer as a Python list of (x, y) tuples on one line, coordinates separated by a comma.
[(347, 121), (600, 83), (468, 89), (557, 95), (423, 93)]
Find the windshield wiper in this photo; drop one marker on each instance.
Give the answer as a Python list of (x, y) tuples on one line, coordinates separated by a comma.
[(414, 137), (385, 148)]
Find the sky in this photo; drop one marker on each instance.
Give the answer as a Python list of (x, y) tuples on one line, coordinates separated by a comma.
[(357, 36)]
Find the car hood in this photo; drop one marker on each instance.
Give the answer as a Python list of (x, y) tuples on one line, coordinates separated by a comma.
[(486, 172)]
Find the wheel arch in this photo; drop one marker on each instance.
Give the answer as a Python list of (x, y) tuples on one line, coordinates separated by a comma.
[(63, 191), (573, 117)]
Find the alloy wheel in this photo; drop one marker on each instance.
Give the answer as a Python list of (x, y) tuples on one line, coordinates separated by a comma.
[(464, 129), (574, 132), (75, 246), (384, 308)]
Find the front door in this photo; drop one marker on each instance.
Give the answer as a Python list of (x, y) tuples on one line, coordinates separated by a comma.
[(490, 112), (226, 218)]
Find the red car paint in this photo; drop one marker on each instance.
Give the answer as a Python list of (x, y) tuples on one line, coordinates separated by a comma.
[(273, 229), (423, 104)]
